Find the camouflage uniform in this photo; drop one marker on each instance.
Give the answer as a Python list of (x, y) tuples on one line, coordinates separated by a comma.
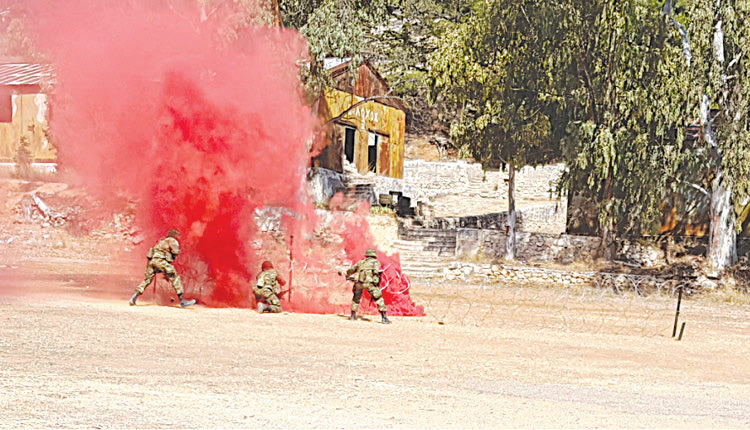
[(366, 276), (266, 289), (160, 259)]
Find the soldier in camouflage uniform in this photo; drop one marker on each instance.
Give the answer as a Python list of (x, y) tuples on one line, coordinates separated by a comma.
[(266, 289), (366, 276), (160, 258)]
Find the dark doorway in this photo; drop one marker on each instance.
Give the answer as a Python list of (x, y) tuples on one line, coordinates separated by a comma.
[(372, 152), (349, 144)]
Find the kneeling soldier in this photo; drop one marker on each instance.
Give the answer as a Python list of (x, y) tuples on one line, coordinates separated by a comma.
[(266, 289)]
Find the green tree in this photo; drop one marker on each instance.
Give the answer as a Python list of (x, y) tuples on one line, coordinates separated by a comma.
[(716, 40), (332, 28), (401, 49), (494, 69), (624, 111)]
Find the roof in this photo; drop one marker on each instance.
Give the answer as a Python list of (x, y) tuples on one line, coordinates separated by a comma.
[(338, 66), (331, 62), (25, 74)]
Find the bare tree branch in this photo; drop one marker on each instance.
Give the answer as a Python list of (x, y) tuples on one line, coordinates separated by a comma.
[(667, 11), (363, 101)]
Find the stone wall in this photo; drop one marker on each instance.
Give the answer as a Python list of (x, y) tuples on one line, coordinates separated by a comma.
[(424, 180), (532, 183), (530, 247)]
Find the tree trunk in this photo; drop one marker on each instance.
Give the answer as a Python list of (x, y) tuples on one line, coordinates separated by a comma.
[(722, 246), (722, 249), (510, 239), (608, 248)]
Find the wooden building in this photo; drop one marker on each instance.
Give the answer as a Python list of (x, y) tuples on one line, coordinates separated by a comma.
[(24, 111), (364, 123)]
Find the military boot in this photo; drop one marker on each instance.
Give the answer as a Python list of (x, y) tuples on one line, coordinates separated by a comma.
[(185, 303), (261, 307), (353, 317), (384, 319), (134, 298)]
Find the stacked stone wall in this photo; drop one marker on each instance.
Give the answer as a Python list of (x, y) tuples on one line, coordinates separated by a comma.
[(530, 247)]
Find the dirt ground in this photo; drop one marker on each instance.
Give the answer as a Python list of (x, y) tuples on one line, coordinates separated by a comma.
[(73, 354)]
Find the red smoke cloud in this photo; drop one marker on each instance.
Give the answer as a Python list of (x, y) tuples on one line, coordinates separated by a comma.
[(148, 103)]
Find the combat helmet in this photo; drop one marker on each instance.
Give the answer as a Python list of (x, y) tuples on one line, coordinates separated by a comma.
[(371, 253), (173, 232)]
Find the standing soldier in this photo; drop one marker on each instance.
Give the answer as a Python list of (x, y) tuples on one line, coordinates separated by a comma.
[(160, 258), (266, 289), (366, 276)]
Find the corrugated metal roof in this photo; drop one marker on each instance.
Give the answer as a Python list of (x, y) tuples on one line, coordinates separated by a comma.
[(331, 62), (25, 74)]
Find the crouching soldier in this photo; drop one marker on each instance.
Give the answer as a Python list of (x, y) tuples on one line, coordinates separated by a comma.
[(160, 259), (266, 289), (366, 276)]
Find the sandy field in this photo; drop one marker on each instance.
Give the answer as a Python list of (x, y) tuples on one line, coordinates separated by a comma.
[(73, 356)]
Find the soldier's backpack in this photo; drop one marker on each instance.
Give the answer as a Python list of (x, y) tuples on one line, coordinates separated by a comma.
[(267, 278), (369, 273)]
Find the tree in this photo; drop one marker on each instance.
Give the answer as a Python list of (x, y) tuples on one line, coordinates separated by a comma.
[(332, 28), (716, 46), (624, 111), (401, 49), (494, 69)]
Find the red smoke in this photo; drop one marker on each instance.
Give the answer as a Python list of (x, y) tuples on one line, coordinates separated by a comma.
[(150, 101)]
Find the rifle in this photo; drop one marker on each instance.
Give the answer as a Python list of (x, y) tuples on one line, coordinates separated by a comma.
[(348, 277)]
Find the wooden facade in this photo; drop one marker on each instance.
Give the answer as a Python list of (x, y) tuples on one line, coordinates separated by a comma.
[(24, 111), (368, 134)]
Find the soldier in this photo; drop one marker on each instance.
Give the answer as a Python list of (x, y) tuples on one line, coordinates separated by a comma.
[(366, 276), (160, 258), (266, 289)]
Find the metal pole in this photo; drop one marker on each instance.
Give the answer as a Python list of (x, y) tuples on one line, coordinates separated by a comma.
[(291, 266), (682, 329), (677, 314)]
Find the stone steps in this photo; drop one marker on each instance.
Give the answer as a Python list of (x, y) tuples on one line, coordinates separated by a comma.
[(425, 255)]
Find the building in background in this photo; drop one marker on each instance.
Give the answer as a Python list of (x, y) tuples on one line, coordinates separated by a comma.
[(24, 111), (364, 123)]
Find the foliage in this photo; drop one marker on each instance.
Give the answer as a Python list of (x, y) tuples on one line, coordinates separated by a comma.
[(625, 110), (401, 49), (493, 69), (726, 84), (332, 28), (382, 210)]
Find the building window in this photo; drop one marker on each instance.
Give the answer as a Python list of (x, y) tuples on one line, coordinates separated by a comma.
[(6, 108), (372, 152), (349, 134)]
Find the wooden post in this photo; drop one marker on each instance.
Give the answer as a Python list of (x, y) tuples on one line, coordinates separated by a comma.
[(291, 266), (677, 314)]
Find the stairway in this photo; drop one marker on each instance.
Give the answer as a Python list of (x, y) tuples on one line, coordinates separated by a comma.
[(425, 252)]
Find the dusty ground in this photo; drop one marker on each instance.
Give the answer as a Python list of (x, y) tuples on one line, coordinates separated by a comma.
[(74, 354)]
